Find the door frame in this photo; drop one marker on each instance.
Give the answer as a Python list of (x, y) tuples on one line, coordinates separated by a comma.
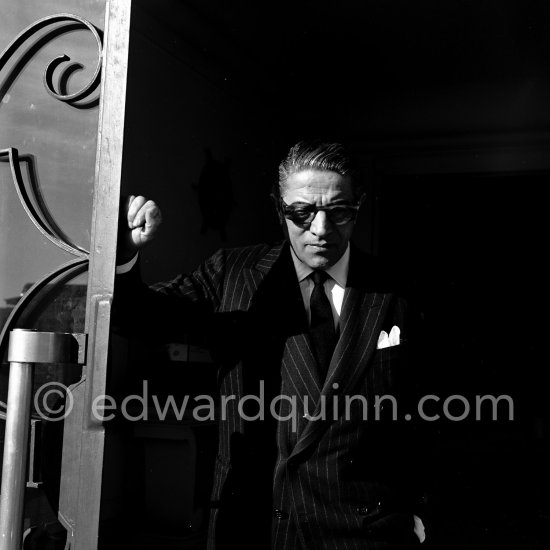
[(81, 479)]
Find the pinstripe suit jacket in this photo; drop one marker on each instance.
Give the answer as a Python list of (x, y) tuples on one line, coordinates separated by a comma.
[(285, 481)]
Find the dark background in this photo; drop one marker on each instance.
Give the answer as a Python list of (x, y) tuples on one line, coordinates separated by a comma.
[(446, 105)]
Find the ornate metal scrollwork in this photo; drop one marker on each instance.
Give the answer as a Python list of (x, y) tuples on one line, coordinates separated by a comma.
[(36, 210), (63, 273), (74, 21), (30, 196)]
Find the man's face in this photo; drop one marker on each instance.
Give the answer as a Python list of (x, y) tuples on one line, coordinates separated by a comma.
[(322, 243)]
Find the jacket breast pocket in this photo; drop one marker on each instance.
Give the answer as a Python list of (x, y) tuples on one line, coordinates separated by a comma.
[(388, 354), (385, 369)]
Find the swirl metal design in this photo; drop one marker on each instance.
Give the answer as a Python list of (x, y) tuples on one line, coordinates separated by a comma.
[(38, 214), (30, 198), (58, 276), (74, 21)]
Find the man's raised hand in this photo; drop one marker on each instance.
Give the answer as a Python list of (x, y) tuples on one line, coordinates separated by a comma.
[(143, 219)]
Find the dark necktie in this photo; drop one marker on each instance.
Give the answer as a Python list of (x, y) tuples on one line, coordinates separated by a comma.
[(322, 333)]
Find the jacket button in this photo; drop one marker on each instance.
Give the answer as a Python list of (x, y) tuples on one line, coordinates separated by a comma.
[(362, 510), (280, 514)]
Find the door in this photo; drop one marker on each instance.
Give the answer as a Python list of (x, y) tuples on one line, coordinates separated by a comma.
[(62, 96)]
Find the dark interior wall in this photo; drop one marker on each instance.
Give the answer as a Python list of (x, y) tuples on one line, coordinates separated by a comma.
[(202, 150), (410, 69), (446, 106), (423, 88)]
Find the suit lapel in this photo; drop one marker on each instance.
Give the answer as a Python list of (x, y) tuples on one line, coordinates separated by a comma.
[(255, 273), (363, 312), (278, 303), (279, 312), (277, 308)]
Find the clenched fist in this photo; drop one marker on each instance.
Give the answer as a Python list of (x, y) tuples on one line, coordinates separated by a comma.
[(140, 220)]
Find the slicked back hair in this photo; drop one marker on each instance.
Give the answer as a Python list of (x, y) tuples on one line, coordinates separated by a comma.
[(317, 155)]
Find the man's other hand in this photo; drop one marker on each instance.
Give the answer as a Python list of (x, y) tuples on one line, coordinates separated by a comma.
[(140, 220)]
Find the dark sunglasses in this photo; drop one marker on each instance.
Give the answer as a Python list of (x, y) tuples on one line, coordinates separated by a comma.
[(302, 214)]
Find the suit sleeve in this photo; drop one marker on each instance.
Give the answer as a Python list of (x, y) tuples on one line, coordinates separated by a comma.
[(165, 310)]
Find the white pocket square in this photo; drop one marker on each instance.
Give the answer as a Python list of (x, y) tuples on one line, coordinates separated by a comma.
[(386, 341)]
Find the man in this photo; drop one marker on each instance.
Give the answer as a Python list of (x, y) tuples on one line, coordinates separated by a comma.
[(304, 322)]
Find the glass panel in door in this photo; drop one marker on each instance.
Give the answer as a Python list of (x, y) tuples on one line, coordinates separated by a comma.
[(58, 200)]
